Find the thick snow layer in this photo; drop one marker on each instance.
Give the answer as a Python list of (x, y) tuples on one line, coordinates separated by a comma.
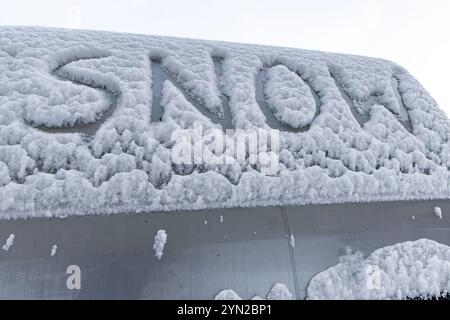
[(419, 269), (9, 242), (85, 125), (160, 242)]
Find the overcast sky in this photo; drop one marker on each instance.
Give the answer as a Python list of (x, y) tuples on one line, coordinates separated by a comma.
[(414, 33)]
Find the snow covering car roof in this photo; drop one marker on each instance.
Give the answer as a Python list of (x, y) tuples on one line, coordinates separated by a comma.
[(86, 120)]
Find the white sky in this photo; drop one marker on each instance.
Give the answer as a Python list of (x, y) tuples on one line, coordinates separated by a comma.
[(414, 33)]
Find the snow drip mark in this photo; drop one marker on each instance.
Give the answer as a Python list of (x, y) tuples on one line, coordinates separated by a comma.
[(160, 74), (261, 99), (9, 242), (159, 244), (86, 128)]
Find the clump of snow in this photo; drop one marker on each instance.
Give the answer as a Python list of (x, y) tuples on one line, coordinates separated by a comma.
[(221, 219), (279, 292), (54, 249), (417, 269), (9, 242), (77, 133), (160, 242), (227, 294), (438, 212), (292, 240)]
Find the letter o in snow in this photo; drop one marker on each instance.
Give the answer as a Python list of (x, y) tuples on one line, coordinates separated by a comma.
[(289, 97)]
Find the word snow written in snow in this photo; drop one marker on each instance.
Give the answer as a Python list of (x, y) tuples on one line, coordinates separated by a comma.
[(122, 114)]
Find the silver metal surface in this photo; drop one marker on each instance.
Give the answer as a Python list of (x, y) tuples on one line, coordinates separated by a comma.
[(248, 251)]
